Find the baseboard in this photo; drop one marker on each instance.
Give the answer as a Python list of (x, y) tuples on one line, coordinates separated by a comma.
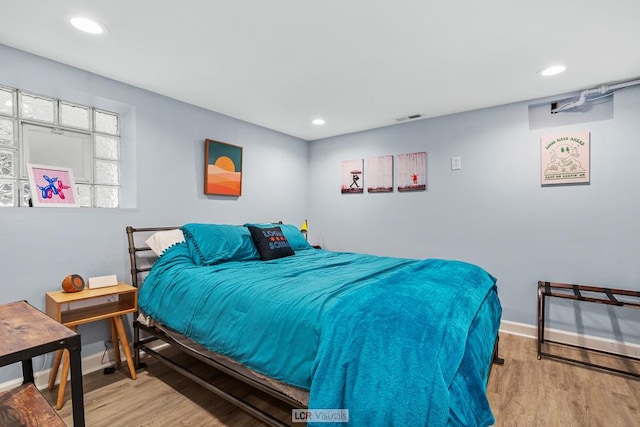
[(596, 343), (90, 364)]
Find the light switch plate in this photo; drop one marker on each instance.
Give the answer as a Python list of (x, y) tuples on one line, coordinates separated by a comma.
[(456, 163)]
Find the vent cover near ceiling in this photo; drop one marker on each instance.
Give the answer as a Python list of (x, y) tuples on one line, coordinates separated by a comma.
[(407, 118)]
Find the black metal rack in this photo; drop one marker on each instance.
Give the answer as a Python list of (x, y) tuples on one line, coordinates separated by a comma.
[(593, 294)]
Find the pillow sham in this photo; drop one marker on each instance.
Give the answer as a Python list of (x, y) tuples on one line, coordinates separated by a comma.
[(294, 236), (162, 240), (215, 243), (271, 242)]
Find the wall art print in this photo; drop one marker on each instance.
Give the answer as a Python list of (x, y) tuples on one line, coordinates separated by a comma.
[(352, 176), (565, 158), (52, 186), (412, 172), (222, 169), (380, 174)]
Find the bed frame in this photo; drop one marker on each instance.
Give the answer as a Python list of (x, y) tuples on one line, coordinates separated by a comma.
[(141, 259)]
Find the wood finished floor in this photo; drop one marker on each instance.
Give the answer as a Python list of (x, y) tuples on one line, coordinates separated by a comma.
[(523, 392)]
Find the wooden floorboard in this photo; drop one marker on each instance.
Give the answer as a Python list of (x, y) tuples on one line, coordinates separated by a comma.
[(524, 392)]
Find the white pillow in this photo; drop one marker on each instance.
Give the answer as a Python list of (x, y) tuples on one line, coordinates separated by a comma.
[(160, 241)]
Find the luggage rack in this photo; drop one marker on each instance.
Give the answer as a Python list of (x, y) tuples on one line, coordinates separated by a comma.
[(593, 294)]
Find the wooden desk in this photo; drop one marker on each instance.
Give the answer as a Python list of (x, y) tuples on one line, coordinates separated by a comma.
[(123, 299), (26, 332)]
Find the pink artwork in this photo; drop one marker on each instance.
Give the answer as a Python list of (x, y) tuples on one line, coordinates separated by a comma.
[(564, 159), (352, 176), (52, 186), (412, 172), (380, 174)]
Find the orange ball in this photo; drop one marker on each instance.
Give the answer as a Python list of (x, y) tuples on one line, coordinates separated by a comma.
[(73, 283)]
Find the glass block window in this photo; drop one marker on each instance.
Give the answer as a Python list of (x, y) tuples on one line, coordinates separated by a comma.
[(49, 131), (107, 147), (7, 193), (107, 173), (7, 101), (75, 115), (107, 197), (106, 122), (37, 108), (25, 193), (7, 164), (85, 195), (7, 132)]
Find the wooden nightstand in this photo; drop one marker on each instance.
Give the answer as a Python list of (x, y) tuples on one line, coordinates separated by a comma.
[(122, 299)]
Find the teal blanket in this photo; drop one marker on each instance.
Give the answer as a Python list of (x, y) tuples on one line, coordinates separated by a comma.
[(343, 325), (393, 353)]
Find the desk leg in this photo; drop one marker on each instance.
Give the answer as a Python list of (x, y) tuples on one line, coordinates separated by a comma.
[(77, 393), (54, 369), (125, 345), (114, 340), (64, 374), (27, 371)]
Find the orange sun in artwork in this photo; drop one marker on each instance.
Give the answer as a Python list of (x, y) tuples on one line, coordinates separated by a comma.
[(225, 163)]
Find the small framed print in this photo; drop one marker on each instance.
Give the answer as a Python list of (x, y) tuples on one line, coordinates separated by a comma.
[(52, 186), (352, 176), (565, 159)]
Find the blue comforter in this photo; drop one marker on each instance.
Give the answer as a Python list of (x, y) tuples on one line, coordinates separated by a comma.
[(349, 327)]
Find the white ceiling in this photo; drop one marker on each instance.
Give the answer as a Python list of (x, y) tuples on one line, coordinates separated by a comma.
[(356, 63)]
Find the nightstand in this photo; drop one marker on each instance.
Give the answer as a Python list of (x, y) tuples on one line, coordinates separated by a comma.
[(26, 332), (121, 299)]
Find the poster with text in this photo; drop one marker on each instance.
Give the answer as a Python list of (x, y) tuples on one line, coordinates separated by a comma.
[(564, 158)]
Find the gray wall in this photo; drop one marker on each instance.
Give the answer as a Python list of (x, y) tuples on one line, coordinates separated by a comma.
[(494, 212), (163, 152)]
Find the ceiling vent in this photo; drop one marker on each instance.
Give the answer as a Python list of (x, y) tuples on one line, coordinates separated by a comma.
[(407, 118)]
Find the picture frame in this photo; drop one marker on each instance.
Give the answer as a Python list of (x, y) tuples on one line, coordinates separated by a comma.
[(222, 169), (52, 186), (565, 159), (352, 181), (380, 174), (412, 172)]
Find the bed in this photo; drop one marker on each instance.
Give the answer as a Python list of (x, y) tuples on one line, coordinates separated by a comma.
[(380, 340)]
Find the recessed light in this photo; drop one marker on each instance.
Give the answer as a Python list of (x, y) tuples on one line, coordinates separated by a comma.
[(87, 25), (318, 122), (553, 70)]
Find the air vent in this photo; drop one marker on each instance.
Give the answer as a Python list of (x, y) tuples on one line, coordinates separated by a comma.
[(407, 118)]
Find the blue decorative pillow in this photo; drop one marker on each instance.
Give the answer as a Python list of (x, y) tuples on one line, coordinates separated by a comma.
[(271, 242), (215, 243), (295, 237)]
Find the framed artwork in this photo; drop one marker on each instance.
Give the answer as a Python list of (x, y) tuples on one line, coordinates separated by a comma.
[(352, 176), (380, 174), (412, 172), (564, 159), (52, 186), (222, 169)]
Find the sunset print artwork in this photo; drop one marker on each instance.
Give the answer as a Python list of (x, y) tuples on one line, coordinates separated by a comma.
[(223, 169)]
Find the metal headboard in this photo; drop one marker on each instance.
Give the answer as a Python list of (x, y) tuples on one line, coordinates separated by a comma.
[(135, 248)]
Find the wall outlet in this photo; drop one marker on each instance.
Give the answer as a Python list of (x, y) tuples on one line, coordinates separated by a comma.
[(456, 163)]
